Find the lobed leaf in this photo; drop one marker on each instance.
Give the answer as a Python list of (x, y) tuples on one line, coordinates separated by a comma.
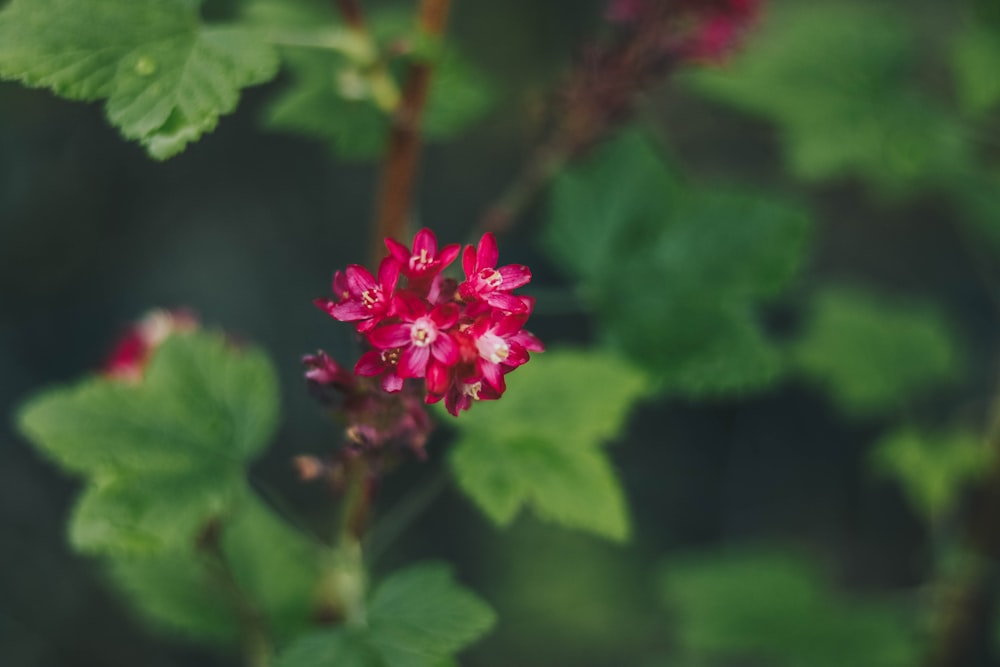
[(874, 355), (675, 273), (540, 445), (933, 469), (777, 608), (166, 77)]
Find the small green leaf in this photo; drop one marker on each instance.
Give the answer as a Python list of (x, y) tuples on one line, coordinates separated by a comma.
[(167, 78), (976, 61), (675, 273), (345, 647), (420, 617), (933, 469), (778, 609), (540, 444), (874, 355)]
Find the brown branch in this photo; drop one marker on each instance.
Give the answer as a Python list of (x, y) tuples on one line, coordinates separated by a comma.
[(965, 633), (399, 169), (350, 11)]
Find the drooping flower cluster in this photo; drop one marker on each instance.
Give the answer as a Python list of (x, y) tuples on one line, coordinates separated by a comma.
[(461, 339), (132, 351)]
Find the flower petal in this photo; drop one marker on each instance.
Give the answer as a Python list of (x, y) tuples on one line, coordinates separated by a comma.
[(487, 253), (349, 311), (390, 335), (413, 361), (507, 302), (469, 261), (388, 274), (445, 350), (448, 254), (359, 279), (438, 378), (425, 240), (399, 251), (514, 276), (392, 382), (370, 364), (445, 315), (492, 374)]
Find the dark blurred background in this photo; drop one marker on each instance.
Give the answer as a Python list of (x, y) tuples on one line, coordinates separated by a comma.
[(246, 227)]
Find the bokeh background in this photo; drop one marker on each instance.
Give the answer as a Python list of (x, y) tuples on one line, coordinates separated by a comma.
[(247, 226)]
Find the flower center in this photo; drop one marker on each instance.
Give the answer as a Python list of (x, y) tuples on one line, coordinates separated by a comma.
[(472, 390), (491, 278), (423, 332), (390, 357), (420, 263), (493, 348), (370, 297)]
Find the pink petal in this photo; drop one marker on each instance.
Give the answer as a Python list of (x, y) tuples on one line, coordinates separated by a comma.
[(399, 251), (359, 279), (516, 355), (509, 325), (409, 306), (469, 261), (392, 382), (413, 361), (340, 288), (493, 375), (445, 315), (370, 364), (438, 378), (505, 301), (487, 255), (388, 274), (326, 305), (425, 240), (445, 350), (528, 340), (349, 311), (514, 275), (390, 335), (448, 254)]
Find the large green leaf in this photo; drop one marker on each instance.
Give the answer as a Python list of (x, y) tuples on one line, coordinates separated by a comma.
[(674, 272), (166, 77), (419, 617), (933, 469), (203, 404), (873, 354), (539, 445), (778, 609), (836, 79)]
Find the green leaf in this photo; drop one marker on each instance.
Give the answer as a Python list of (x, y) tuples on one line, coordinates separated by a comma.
[(167, 78), (932, 468), (345, 647), (178, 595), (540, 444), (203, 405), (675, 272), (976, 61), (460, 94), (151, 513), (778, 609), (420, 617), (859, 113), (872, 354)]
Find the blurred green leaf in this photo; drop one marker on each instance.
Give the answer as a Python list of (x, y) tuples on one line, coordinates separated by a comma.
[(776, 607), (675, 272), (167, 78), (932, 469), (835, 78), (874, 355), (418, 617), (976, 61), (177, 595), (334, 99), (203, 405), (540, 445)]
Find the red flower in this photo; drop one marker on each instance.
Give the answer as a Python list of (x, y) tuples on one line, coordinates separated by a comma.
[(128, 359), (361, 298), (485, 282), (502, 346), (381, 362), (420, 335), (424, 263)]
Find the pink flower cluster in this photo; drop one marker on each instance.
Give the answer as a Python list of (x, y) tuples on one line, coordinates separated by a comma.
[(460, 338), (132, 351)]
